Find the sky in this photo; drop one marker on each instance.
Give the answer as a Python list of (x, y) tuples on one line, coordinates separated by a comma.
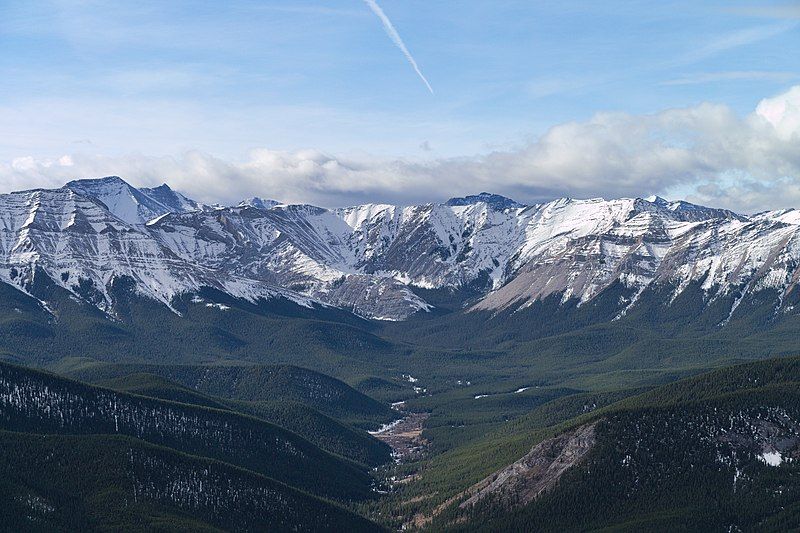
[(406, 101)]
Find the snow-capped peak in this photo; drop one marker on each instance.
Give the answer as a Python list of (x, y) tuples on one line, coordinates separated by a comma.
[(494, 200), (259, 203), (123, 200), (654, 199), (368, 258), (172, 199), (129, 204)]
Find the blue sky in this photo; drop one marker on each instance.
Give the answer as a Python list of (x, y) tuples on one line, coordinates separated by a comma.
[(180, 91)]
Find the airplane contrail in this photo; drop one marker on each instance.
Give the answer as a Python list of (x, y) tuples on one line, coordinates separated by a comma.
[(389, 27)]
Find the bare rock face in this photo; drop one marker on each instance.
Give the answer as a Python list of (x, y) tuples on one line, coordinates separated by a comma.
[(372, 258), (538, 471), (82, 246)]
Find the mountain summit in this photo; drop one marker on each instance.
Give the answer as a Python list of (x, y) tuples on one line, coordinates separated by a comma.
[(129, 204), (378, 260), (494, 200)]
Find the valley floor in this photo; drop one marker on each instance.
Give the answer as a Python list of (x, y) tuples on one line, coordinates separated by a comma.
[(404, 436)]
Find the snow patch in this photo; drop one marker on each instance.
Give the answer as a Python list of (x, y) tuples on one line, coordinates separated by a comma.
[(386, 427), (771, 458)]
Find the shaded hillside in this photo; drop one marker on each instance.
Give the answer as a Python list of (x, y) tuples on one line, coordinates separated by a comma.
[(36, 402), (716, 452), (317, 428), (98, 482), (252, 383), (213, 329)]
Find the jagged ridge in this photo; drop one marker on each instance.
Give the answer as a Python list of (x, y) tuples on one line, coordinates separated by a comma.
[(373, 258)]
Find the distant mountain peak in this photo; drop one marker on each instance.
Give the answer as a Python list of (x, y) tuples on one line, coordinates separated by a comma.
[(369, 258), (259, 203), (96, 183), (658, 200), (171, 199), (689, 211), (494, 200), (132, 205)]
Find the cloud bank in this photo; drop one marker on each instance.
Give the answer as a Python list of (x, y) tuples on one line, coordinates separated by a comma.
[(706, 153)]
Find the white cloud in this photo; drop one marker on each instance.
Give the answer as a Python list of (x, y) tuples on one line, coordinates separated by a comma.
[(783, 112), (707, 153)]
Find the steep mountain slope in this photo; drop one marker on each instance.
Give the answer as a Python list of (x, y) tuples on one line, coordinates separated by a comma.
[(380, 261), (174, 201), (117, 483), (132, 205), (80, 245), (714, 452), (301, 248), (572, 248), (319, 429), (253, 383), (37, 402)]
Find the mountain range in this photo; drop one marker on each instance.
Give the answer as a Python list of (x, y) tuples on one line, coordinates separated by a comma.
[(389, 262), (258, 366)]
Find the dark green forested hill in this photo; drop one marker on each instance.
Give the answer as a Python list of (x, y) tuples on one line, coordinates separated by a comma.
[(320, 429), (274, 332), (718, 452), (248, 383), (37, 402), (146, 384), (493, 386), (117, 483)]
